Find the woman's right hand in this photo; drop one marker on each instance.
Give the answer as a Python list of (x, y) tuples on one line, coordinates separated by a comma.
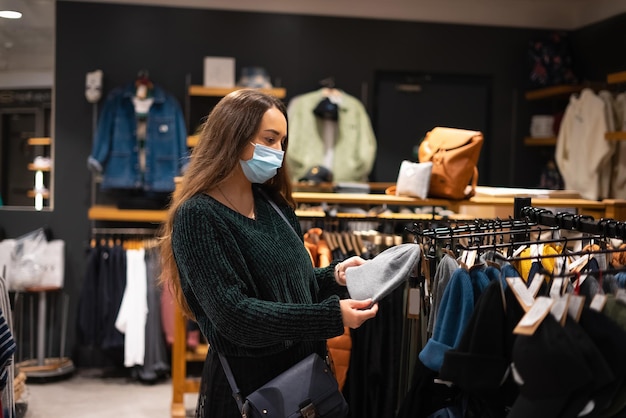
[(355, 312)]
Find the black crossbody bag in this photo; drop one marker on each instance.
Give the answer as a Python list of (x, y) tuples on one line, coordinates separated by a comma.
[(308, 389)]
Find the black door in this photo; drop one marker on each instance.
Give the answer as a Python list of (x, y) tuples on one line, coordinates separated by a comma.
[(407, 105)]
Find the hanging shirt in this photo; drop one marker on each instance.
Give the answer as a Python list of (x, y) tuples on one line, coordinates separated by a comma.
[(581, 150), (131, 318), (618, 179)]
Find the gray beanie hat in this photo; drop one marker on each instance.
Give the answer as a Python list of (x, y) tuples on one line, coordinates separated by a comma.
[(381, 275)]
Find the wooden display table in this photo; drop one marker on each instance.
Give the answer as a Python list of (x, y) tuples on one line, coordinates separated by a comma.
[(480, 206)]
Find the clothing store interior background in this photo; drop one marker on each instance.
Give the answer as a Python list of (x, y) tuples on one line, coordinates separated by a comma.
[(469, 74)]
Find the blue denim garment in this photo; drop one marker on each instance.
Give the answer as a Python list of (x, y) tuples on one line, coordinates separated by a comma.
[(115, 152)]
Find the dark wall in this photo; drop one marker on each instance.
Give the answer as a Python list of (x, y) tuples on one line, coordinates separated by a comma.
[(298, 50), (598, 49)]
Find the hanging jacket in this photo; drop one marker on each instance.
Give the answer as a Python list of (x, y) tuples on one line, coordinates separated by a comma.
[(581, 150), (115, 152), (354, 146)]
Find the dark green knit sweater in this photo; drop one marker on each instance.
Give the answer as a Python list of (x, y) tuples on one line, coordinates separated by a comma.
[(250, 283)]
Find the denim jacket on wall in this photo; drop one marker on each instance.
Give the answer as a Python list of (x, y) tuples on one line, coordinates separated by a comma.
[(115, 152)]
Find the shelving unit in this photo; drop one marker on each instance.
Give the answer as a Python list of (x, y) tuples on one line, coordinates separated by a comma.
[(112, 213), (616, 78), (560, 92), (40, 141), (33, 167), (41, 182), (553, 91), (564, 90), (213, 93), (195, 90), (608, 208), (32, 194)]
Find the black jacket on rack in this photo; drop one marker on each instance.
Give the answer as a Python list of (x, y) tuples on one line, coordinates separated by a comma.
[(372, 383)]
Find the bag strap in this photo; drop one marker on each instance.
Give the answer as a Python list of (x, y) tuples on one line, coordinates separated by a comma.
[(280, 212), (231, 381), (474, 183)]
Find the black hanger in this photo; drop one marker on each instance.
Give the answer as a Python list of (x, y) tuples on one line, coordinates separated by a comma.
[(328, 82)]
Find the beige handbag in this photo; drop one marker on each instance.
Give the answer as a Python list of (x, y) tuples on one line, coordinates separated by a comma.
[(454, 154)]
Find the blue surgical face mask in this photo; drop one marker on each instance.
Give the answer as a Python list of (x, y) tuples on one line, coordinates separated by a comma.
[(263, 165)]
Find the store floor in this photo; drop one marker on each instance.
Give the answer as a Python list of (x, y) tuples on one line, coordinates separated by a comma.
[(83, 395)]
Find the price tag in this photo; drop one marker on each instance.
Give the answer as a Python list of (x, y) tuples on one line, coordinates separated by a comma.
[(598, 302), (559, 308), (521, 292), (471, 258), (557, 286), (536, 283), (532, 319), (414, 303), (575, 307)]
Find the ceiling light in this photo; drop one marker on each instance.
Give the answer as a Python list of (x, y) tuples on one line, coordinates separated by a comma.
[(10, 14)]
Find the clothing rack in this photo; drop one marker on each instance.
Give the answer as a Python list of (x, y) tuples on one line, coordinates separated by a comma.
[(607, 227), (584, 245), (529, 216)]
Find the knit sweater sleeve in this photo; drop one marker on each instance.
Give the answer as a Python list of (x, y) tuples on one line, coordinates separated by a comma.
[(325, 276), (250, 294)]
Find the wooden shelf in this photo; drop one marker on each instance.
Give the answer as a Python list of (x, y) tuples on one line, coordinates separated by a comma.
[(613, 209), (40, 141), (615, 136), (615, 78), (192, 140), (32, 194), (553, 91), (112, 213), (196, 90), (33, 167), (331, 187), (365, 199), (539, 142)]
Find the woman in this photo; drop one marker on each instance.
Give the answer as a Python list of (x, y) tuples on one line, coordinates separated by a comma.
[(236, 267)]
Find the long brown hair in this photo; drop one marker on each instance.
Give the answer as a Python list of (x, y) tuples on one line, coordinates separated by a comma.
[(228, 129)]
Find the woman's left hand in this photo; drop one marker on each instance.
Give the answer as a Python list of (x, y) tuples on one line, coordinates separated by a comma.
[(340, 268)]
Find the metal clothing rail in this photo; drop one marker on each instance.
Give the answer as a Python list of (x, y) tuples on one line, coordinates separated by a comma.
[(478, 227), (609, 228)]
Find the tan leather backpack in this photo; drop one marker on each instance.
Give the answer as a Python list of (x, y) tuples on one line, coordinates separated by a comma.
[(454, 154)]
